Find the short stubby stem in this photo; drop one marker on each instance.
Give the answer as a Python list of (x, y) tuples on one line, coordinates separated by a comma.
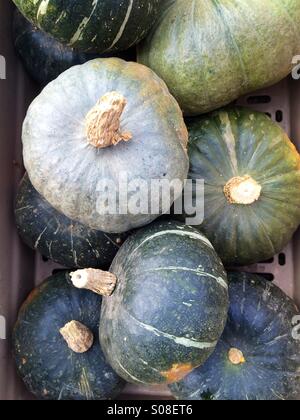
[(101, 282), (79, 338), (242, 190), (236, 357), (104, 119)]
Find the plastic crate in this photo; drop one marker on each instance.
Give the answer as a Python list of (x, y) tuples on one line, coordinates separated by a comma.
[(21, 269)]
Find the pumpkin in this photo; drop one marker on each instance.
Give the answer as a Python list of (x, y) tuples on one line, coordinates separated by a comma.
[(212, 52), (103, 125), (167, 307), (58, 238), (44, 57), (93, 25), (56, 349), (258, 356), (251, 172)]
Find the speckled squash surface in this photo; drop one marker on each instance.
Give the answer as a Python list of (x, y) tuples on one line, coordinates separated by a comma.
[(74, 171), (252, 183), (48, 367), (45, 58), (212, 52), (93, 25), (258, 356), (58, 238), (169, 307)]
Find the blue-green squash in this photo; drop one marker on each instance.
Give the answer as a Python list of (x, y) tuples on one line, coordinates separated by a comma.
[(45, 58), (97, 126), (58, 238), (251, 172), (59, 359), (169, 307), (93, 25), (258, 356), (212, 52)]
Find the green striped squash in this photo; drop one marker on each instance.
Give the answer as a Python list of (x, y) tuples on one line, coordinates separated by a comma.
[(44, 57), (169, 307), (93, 25), (252, 183)]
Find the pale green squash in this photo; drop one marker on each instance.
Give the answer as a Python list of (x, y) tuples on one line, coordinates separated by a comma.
[(211, 52)]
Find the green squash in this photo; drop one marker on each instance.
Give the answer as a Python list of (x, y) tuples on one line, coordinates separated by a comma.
[(58, 238), (258, 356), (103, 124), (45, 58), (212, 52), (169, 306), (59, 359), (93, 25), (252, 183)]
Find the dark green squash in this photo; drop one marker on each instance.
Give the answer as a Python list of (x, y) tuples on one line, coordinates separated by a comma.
[(258, 356), (45, 58), (169, 307), (93, 25), (210, 52), (49, 367), (252, 183), (58, 238)]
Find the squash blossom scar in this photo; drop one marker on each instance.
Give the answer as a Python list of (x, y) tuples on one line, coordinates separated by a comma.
[(177, 372)]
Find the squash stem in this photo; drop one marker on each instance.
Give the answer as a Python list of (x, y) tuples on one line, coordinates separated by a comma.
[(104, 119), (101, 282), (78, 337), (242, 190), (236, 357)]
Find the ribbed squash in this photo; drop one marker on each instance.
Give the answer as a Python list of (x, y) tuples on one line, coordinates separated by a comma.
[(169, 306), (93, 25), (97, 127), (57, 352), (45, 58), (258, 356), (251, 172), (210, 52)]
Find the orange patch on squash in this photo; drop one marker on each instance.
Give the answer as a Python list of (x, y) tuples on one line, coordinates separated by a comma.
[(177, 372), (31, 297)]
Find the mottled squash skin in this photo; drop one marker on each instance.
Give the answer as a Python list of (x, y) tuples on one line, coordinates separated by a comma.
[(49, 369), (212, 52), (261, 326), (238, 142), (58, 238), (45, 58), (169, 308), (69, 172), (93, 25)]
